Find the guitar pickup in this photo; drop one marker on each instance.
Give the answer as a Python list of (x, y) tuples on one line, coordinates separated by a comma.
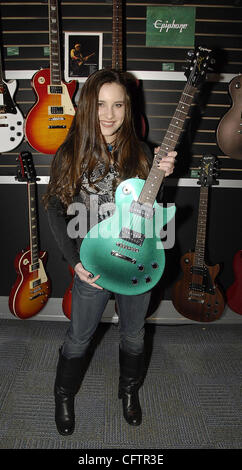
[(34, 267), (55, 89), (132, 236), (56, 110), (197, 287), (201, 271), (144, 210), (36, 283)]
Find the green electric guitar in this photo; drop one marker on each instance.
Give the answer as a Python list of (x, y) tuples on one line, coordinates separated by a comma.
[(126, 249)]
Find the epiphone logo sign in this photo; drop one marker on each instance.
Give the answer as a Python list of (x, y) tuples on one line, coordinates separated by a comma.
[(158, 24), (170, 26)]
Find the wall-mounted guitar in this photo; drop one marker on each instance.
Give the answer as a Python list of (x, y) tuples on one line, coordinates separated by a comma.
[(229, 130), (49, 120), (196, 295), (11, 118), (126, 248), (31, 290), (234, 292), (118, 64)]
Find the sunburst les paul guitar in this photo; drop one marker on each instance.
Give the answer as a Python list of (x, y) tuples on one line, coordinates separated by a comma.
[(32, 288), (126, 249), (49, 120), (196, 295), (11, 118)]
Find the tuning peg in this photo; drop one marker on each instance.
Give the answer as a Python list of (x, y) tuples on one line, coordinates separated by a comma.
[(190, 53)]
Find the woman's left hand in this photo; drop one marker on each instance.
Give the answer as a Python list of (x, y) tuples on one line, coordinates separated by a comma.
[(167, 163)]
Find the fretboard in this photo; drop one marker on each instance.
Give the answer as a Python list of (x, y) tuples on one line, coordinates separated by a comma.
[(117, 39), (201, 227), (55, 63), (156, 176), (33, 223)]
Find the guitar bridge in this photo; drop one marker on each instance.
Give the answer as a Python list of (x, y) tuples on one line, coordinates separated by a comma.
[(193, 299), (56, 127), (125, 258)]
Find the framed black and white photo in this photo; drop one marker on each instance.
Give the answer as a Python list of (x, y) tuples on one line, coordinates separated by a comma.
[(83, 54)]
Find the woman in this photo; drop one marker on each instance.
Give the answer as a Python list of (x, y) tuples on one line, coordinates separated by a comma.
[(100, 150)]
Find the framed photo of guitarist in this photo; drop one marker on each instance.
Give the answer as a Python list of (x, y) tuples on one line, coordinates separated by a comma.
[(83, 54)]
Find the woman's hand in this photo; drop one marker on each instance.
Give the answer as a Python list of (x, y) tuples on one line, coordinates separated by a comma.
[(167, 163), (86, 276)]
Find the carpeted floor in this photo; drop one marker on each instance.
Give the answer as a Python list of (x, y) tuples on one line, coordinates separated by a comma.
[(191, 397)]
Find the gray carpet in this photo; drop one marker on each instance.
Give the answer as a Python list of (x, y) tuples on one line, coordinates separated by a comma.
[(191, 397)]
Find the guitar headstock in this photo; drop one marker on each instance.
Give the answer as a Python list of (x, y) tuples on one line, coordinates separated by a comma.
[(208, 171), (25, 170), (199, 61)]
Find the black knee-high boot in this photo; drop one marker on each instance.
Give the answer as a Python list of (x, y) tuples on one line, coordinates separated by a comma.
[(130, 380), (69, 375)]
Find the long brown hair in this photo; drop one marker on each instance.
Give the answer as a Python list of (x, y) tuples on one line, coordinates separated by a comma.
[(85, 146)]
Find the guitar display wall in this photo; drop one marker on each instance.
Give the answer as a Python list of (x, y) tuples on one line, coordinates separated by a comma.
[(218, 26), (24, 25)]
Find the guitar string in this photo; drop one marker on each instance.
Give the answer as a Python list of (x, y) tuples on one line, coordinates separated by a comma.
[(135, 219)]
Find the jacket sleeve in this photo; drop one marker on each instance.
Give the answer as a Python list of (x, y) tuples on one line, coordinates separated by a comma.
[(58, 225)]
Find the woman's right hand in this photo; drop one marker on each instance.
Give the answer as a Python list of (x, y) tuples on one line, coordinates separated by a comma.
[(86, 276)]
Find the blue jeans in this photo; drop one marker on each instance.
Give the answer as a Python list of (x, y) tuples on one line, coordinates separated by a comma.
[(88, 305)]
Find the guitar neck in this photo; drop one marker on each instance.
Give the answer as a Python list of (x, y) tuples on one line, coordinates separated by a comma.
[(33, 224), (156, 176), (201, 228), (55, 61), (117, 38)]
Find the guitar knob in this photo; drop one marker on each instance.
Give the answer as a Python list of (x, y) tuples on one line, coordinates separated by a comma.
[(134, 280), (154, 265), (237, 85), (147, 279), (141, 267)]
